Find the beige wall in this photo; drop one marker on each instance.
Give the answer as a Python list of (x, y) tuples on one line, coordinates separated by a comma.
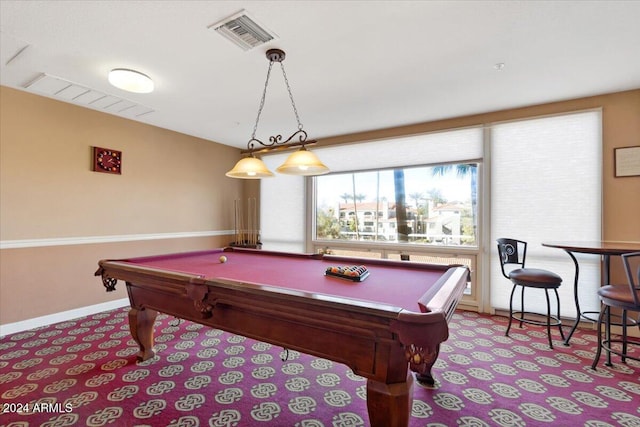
[(170, 183), (175, 183)]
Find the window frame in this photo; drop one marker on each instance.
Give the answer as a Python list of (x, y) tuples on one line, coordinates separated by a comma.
[(409, 247)]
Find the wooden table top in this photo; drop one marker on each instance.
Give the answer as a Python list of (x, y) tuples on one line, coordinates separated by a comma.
[(598, 247)]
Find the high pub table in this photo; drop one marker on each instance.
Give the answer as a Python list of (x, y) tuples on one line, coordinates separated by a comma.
[(605, 249)]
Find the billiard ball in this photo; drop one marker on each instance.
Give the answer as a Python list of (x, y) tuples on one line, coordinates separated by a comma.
[(223, 259)]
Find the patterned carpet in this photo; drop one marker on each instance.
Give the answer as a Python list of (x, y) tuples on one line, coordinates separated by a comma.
[(84, 372)]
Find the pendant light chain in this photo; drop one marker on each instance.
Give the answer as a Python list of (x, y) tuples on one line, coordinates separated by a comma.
[(264, 94), (293, 104)]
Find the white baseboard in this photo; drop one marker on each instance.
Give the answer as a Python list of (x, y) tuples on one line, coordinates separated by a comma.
[(36, 322)]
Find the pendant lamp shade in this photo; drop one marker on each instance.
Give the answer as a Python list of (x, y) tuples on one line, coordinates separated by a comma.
[(303, 162), (249, 168)]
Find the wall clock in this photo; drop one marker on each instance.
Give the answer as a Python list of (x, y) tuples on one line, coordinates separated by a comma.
[(107, 160)]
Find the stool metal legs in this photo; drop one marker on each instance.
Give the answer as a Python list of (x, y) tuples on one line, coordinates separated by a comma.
[(551, 320), (608, 341)]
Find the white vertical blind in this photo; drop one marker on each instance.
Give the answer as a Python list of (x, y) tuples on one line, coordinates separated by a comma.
[(546, 185), (282, 209)]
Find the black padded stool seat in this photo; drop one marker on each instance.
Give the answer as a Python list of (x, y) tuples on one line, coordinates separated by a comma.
[(625, 299), (535, 278), (619, 296), (513, 255)]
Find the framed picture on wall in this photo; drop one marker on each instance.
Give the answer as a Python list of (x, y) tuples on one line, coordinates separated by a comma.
[(627, 161)]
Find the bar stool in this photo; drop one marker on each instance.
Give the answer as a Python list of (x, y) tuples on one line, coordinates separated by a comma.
[(625, 298), (513, 255)]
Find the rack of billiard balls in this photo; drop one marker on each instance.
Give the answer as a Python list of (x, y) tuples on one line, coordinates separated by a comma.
[(355, 273)]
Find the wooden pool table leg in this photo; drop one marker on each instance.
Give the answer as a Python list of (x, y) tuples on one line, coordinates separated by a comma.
[(389, 405), (141, 326), (421, 362)]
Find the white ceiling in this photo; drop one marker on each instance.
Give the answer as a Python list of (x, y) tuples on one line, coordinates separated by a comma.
[(352, 65)]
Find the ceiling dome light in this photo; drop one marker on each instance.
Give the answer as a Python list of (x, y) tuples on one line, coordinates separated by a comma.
[(130, 80)]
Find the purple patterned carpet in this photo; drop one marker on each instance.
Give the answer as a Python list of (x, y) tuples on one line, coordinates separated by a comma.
[(84, 372)]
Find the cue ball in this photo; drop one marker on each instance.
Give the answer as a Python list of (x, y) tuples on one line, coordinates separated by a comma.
[(223, 259)]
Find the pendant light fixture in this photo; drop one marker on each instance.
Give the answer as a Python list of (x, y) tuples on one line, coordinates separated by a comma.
[(301, 162)]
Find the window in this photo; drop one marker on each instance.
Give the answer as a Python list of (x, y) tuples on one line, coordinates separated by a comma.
[(286, 219)]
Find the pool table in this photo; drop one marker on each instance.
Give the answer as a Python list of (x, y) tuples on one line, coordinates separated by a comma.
[(383, 326)]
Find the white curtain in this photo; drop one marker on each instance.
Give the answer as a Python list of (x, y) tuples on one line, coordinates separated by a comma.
[(546, 185), (424, 149), (282, 209)]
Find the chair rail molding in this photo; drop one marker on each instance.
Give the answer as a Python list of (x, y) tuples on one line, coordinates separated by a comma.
[(83, 240)]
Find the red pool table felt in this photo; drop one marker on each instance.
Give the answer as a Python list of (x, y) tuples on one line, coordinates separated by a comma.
[(399, 284)]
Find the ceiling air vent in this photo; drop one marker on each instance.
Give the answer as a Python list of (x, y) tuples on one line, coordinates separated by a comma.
[(243, 30), (64, 90)]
